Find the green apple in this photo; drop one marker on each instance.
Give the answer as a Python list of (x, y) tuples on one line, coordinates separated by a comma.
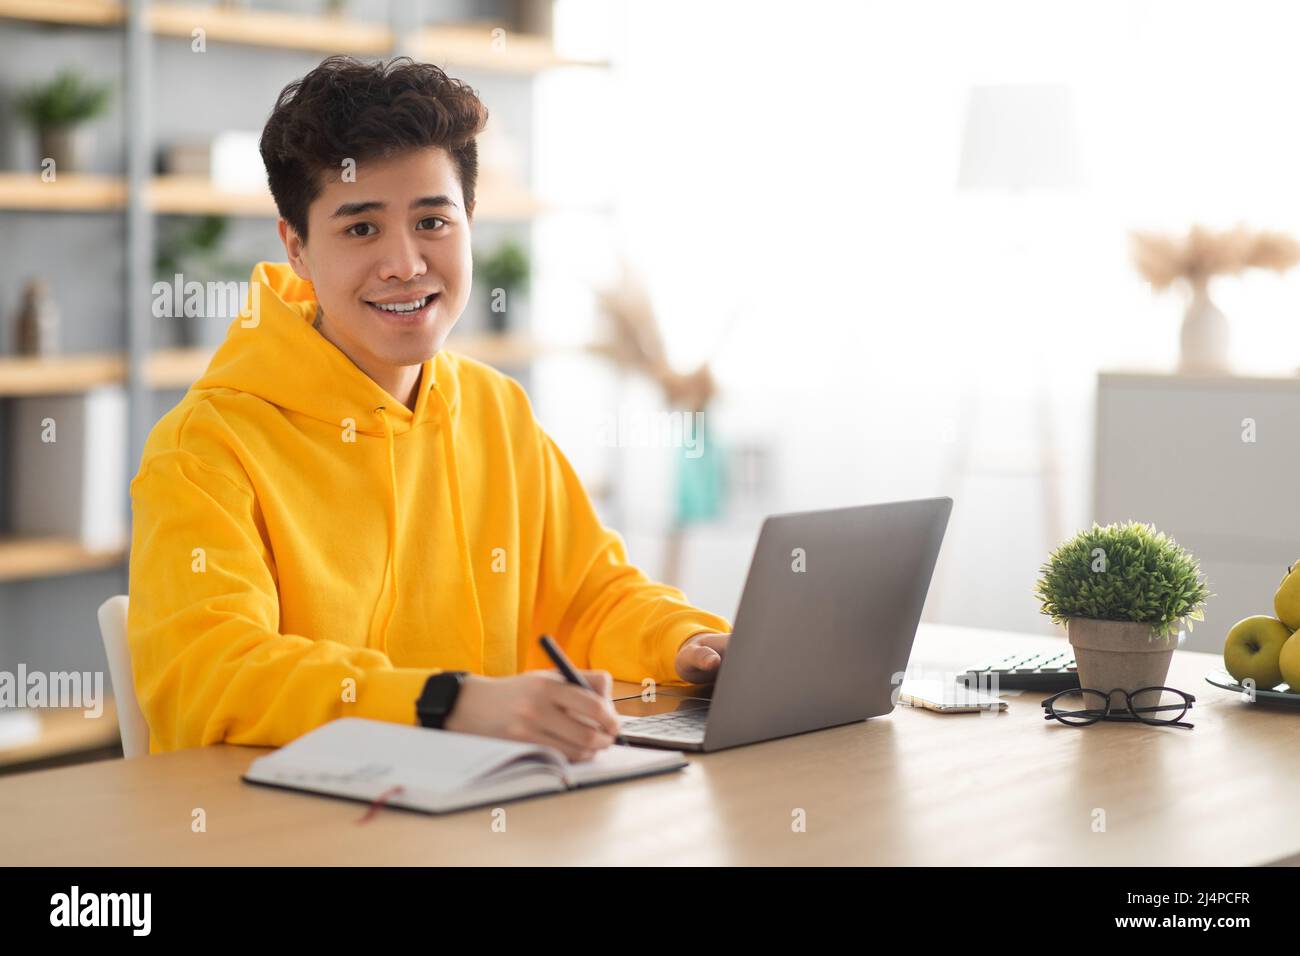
[(1286, 602), (1254, 650), (1289, 663)]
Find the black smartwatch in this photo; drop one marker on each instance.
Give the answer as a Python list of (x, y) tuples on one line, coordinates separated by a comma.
[(439, 697)]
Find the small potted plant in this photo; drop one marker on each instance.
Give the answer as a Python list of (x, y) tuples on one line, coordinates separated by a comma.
[(1123, 592), (55, 110), (504, 273), (194, 248)]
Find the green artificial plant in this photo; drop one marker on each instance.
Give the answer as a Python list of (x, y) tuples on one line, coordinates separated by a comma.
[(1123, 572), (64, 101)]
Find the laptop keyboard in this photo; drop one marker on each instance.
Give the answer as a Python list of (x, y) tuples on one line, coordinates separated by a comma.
[(684, 725)]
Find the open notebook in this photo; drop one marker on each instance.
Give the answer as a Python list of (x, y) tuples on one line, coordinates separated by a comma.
[(437, 770)]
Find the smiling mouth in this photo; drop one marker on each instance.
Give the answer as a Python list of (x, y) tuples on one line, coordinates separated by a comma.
[(413, 311)]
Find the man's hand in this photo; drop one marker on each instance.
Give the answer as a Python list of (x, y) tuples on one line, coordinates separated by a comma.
[(539, 707), (699, 659)]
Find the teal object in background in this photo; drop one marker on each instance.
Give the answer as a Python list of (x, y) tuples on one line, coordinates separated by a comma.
[(701, 480)]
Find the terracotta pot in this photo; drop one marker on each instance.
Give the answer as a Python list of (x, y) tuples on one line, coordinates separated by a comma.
[(1120, 655)]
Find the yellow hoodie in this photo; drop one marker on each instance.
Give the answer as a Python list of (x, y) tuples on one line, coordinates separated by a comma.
[(305, 547)]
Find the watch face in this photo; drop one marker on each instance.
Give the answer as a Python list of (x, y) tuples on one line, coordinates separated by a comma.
[(440, 694)]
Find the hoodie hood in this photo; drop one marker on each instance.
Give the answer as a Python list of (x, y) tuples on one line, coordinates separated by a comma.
[(272, 351)]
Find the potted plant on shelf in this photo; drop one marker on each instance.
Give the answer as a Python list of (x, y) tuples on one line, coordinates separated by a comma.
[(1123, 592), (57, 110), (504, 273), (193, 247)]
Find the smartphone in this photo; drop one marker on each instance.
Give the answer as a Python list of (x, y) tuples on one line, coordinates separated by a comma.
[(951, 698)]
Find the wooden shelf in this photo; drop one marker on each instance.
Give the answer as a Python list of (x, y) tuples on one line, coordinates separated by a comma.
[(499, 350), (181, 367), (498, 201), (65, 732), (88, 13), (198, 195), (67, 374), (472, 46), (465, 45), (176, 368), (272, 28), (69, 192), (95, 192), (23, 558), (21, 375)]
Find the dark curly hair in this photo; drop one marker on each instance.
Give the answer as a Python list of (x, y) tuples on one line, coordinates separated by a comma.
[(348, 109)]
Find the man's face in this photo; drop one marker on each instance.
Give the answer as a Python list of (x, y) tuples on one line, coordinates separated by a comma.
[(397, 234)]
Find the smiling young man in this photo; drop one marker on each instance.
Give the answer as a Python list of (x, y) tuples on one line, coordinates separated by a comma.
[(342, 518)]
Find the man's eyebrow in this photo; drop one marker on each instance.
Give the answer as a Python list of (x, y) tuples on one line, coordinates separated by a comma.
[(357, 208)]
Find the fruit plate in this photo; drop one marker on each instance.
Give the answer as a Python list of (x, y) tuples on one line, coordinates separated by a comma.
[(1228, 682)]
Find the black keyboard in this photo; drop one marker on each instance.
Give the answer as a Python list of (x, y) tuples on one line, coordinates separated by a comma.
[(1046, 671)]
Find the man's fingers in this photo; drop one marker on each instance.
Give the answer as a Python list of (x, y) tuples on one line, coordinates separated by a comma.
[(702, 660), (698, 663), (601, 682), (562, 724), (706, 658), (563, 746), (583, 704)]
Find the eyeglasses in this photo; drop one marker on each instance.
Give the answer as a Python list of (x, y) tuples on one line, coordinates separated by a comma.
[(1082, 706)]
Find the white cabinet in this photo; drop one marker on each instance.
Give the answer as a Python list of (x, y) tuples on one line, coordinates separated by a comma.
[(1214, 461)]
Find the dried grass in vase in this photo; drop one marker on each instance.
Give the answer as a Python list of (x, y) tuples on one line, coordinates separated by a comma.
[(1194, 260)]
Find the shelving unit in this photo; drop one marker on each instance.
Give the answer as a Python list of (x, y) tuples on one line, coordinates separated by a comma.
[(66, 735), (141, 195), (180, 368), (498, 201), (26, 558), (463, 45)]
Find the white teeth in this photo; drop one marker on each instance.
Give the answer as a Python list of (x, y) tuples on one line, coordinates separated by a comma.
[(403, 306)]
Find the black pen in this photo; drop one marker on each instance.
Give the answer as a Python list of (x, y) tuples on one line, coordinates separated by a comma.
[(561, 661)]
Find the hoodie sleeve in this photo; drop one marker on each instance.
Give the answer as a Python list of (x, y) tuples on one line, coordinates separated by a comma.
[(603, 611), (203, 624)]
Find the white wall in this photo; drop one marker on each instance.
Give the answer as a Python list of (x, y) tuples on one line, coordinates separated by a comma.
[(797, 164)]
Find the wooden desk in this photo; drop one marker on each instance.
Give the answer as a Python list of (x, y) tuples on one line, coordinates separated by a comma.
[(912, 788)]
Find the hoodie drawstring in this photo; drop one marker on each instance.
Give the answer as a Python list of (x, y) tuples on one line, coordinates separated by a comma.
[(474, 616), (390, 571)]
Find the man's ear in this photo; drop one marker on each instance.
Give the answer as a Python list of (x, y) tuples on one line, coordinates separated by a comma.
[(293, 246)]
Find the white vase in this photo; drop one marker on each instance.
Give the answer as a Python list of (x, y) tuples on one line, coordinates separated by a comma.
[(1204, 336)]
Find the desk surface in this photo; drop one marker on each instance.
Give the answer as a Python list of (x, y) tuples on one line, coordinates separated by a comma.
[(912, 788)]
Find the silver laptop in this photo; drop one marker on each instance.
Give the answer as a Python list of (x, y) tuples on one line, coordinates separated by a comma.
[(827, 618)]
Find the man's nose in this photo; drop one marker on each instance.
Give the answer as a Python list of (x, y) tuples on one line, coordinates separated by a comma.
[(402, 259)]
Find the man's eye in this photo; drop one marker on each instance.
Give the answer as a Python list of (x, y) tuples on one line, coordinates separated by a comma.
[(350, 228), (433, 219)]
